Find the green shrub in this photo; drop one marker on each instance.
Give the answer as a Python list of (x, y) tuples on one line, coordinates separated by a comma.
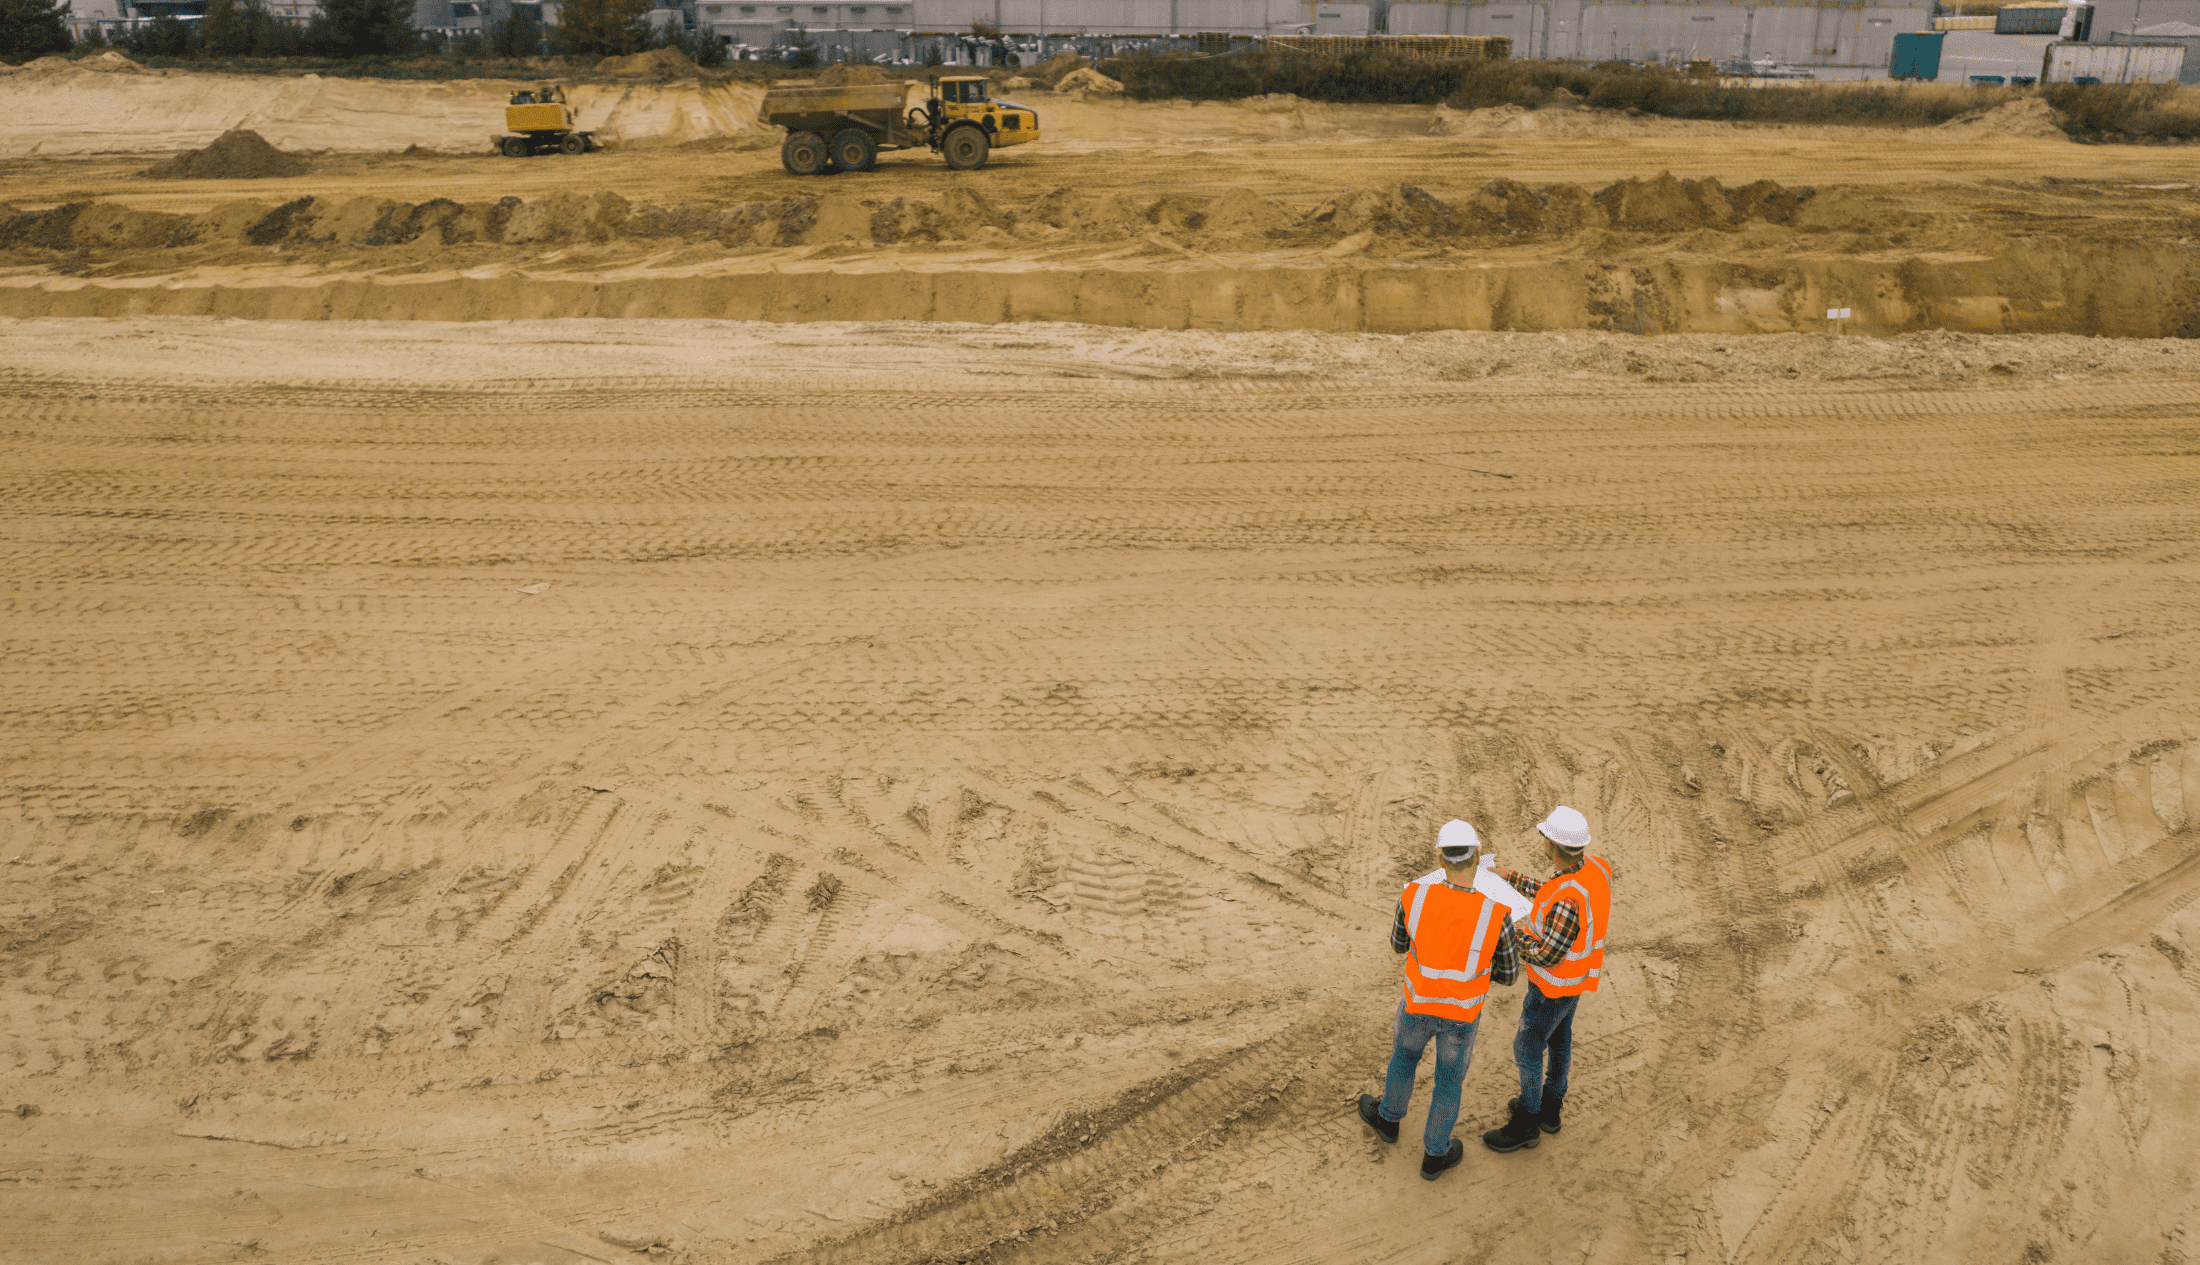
[(1468, 84), (2139, 111), (518, 34), (362, 28), (32, 28), (1365, 78), (602, 28), (161, 37)]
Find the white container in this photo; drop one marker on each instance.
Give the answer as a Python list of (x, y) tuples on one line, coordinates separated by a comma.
[(2067, 61)]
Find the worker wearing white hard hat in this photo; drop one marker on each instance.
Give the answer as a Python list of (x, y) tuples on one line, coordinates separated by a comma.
[(1561, 941), (1454, 926)]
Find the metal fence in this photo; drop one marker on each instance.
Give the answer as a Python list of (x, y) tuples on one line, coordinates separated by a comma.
[(1415, 47)]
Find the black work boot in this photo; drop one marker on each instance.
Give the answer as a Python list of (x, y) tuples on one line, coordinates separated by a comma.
[(1433, 1166), (1518, 1132), (1547, 1119), (1387, 1130)]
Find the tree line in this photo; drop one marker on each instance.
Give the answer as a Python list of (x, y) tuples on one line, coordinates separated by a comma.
[(346, 29)]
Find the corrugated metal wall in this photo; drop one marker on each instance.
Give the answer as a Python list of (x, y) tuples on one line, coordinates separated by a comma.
[(1117, 17), (1798, 34), (2129, 15)]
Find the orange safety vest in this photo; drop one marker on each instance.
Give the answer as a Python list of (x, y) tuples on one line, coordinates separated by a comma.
[(1455, 934), (1583, 965)]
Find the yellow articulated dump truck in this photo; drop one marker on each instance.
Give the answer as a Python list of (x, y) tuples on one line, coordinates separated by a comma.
[(544, 124), (843, 129)]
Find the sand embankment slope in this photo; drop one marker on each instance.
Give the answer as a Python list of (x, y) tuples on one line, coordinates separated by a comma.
[(58, 112), (1656, 256)]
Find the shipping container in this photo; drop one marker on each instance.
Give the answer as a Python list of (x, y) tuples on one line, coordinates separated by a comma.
[(2029, 19), (2068, 61), (1916, 55)]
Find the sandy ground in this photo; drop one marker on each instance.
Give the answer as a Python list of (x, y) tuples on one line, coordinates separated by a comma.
[(563, 791)]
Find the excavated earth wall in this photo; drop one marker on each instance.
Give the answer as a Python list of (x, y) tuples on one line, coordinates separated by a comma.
[(119, 107), (1638, 256)]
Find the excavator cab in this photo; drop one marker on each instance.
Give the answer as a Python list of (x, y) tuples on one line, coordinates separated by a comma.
[(543, 123)]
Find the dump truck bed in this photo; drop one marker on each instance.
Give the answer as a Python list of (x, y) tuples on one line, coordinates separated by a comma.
[(790, 107)]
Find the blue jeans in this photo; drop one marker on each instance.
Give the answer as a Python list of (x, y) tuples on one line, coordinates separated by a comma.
[(1546, 1023), (1454, 1050)]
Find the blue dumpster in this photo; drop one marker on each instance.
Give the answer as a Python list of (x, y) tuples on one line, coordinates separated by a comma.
[(1987, 79), (1916, 55)]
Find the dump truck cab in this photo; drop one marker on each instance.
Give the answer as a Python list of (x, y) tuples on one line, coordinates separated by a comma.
[(964, 97), (542, 122)]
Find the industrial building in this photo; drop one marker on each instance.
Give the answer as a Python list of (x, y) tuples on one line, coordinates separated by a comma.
[(1837, 34), (871, 29)]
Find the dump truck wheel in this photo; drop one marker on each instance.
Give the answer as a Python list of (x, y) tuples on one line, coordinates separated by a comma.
[(965, 148), (573, 143), (854, 151), (515, 147), (803, 154)]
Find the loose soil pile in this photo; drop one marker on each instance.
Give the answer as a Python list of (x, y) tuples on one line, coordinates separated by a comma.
[(1086, 79), (2031, 118), (841, 74), (238, 155), (657, 61), (109, 63)]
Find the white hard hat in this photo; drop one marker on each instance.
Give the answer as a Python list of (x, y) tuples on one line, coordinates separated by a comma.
[(1566, 828), (1457, 836)]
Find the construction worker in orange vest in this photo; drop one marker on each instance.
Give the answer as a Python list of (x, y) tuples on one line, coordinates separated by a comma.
[(1562, 942), (1455, 927)]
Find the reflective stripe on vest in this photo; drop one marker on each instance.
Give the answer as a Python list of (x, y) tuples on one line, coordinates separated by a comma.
[(1580, 970), (1446, 976)]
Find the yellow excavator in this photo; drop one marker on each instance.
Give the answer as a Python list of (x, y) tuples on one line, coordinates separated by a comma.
[(544, 124), (843, 129)]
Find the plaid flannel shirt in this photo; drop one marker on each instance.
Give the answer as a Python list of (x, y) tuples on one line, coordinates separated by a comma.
[(1547, 945), (1504, 964)]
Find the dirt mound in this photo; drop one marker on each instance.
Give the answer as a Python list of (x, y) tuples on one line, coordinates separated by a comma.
[(845, 73), (109, 63), (1244, 213), (668, 61), (1087, 79), (2030, 118), (238, 155), (1058, 67), (1666, 203)]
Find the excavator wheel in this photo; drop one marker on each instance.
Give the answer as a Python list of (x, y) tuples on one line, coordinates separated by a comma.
[(573, 143), (854, 151), (803, 154), (515, 147), (965, 148)]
